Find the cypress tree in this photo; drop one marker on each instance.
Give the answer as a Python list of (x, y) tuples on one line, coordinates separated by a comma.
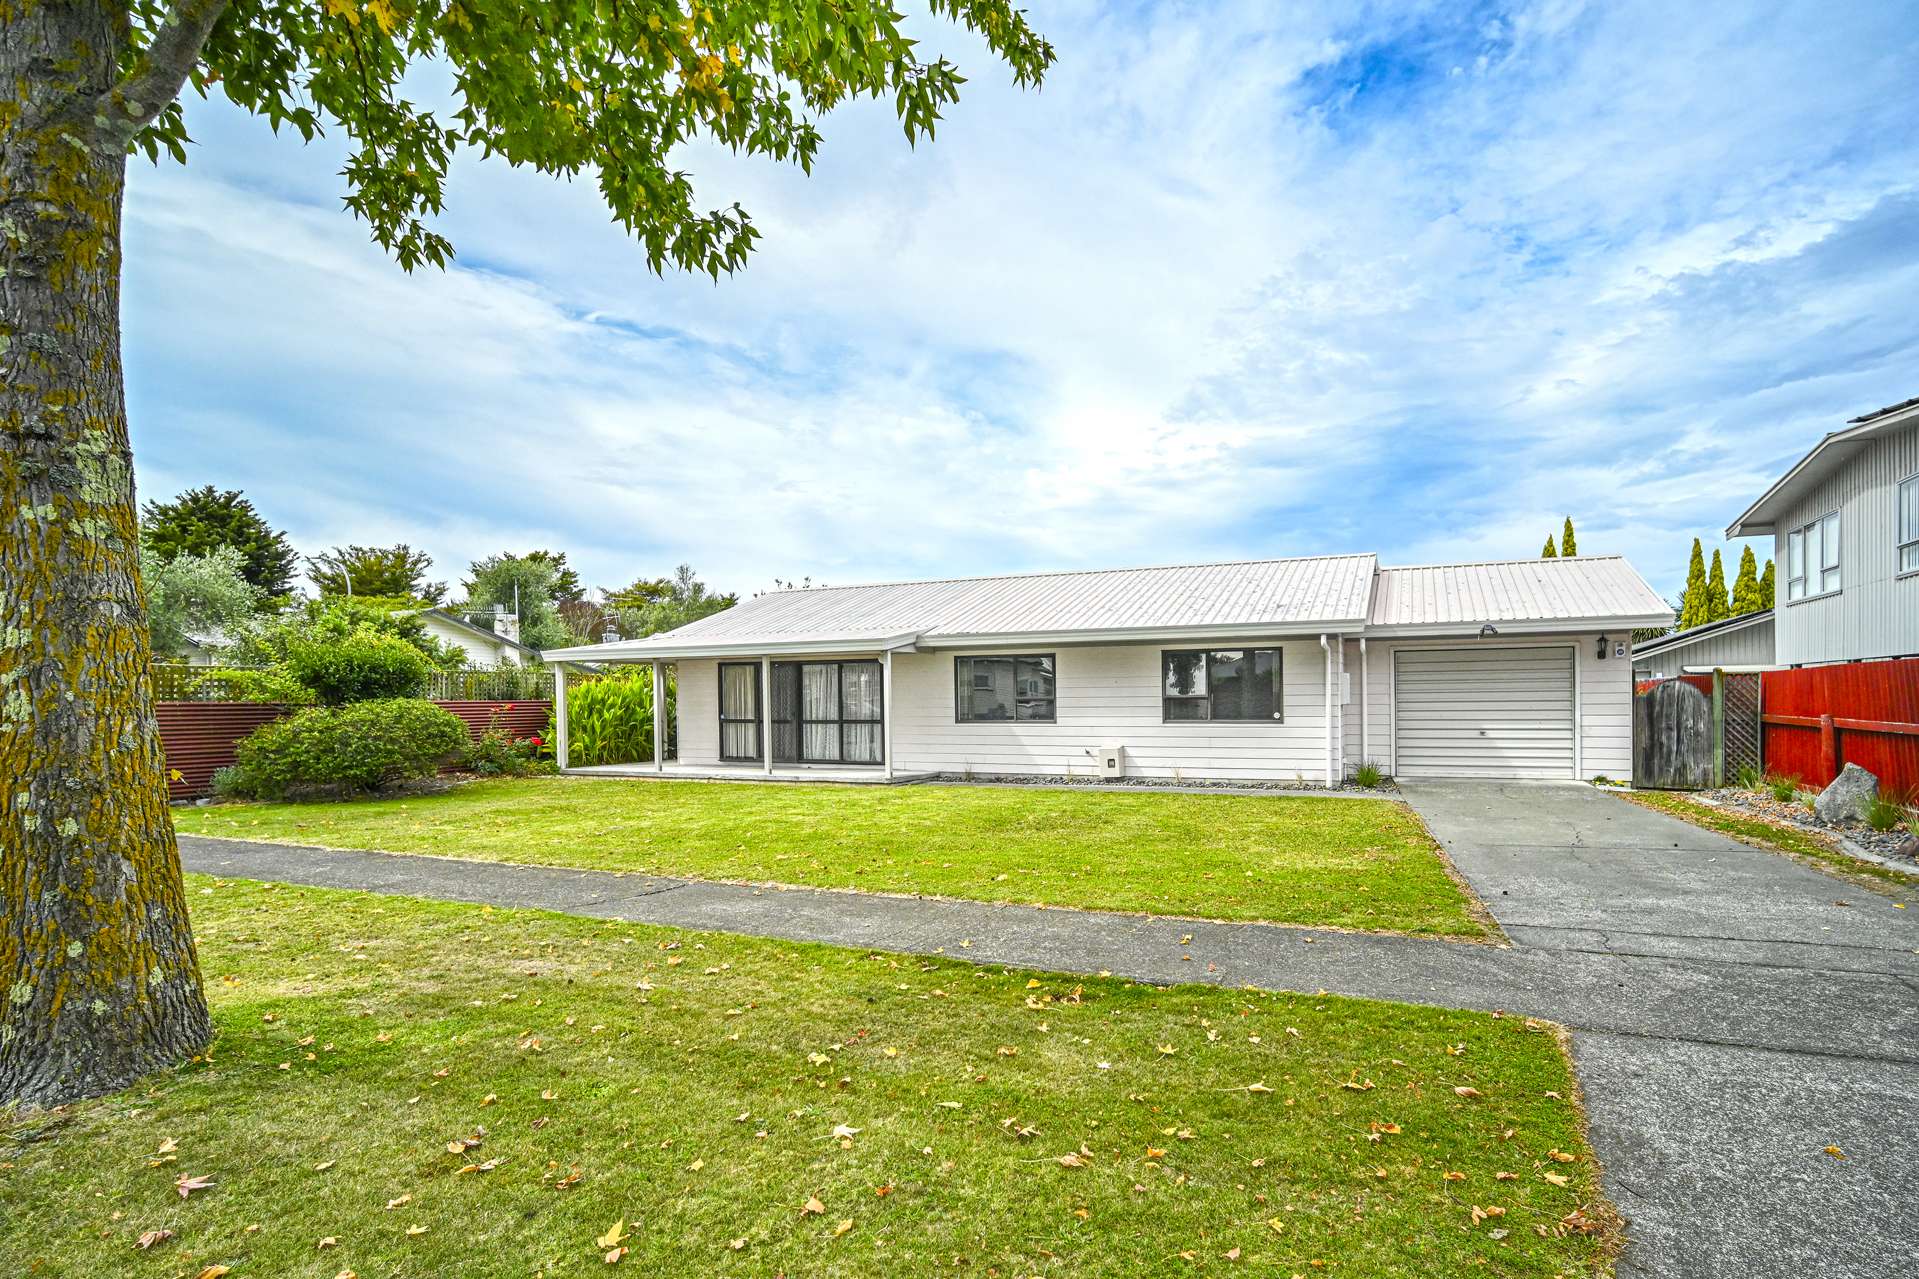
[(1692, 604), (1567, 546), (1765, 586), (1549, 553), (1718, 609), (1745, 587)]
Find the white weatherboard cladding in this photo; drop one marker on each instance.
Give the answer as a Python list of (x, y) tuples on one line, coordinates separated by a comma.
[(1486, 711), (1876, 610), (1740, 646)]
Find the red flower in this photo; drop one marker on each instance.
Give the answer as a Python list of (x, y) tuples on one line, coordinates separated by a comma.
[(536, 741)]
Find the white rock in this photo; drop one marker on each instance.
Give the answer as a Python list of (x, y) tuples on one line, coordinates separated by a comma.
[(1846, 799)]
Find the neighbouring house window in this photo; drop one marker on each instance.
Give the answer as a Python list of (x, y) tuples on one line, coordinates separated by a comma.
[(1222, 684), (1909, 525), (740, 710), (1004, 688), (1812, 558)]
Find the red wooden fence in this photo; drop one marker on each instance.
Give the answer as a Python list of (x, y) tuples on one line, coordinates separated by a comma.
[(199, 737), (1818, 719)]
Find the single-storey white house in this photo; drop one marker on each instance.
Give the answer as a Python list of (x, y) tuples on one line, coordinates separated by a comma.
[(483, 647), (1743, 641), (1279, 670)]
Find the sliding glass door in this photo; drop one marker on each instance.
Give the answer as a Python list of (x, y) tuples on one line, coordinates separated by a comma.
[(740, 711), (827, 713)]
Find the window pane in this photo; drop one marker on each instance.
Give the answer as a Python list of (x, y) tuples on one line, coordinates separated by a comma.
[(1187, 708), (1034, 708), (1909, 558), (1262, 699), (1184, 675), (862, 743), (1909, 511), (1829, 542), (1035, 676), (1227, 670), (822, 742), (739, 692), (1795, 554), (819, 691), (739, 740), (860, 690), (985, 688)]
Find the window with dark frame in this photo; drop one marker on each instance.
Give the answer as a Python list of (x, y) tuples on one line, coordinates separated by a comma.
[(1019, 687), (740, 711), (1222, 684), (828, 712)]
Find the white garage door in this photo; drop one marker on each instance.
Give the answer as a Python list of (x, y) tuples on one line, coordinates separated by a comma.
[(1483, 712)]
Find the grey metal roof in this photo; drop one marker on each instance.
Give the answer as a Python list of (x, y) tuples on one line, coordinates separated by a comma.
[(1679, 639), (1345, 593), (1600, 588), (1255, 595)]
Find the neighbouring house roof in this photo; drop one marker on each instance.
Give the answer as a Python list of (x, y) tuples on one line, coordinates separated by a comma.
[(1680, 639), (1825, 458), (1247, 599), (460, 623), (1601, 589)]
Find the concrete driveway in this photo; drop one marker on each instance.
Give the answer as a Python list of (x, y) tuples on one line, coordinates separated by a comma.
[(1713, 1130)]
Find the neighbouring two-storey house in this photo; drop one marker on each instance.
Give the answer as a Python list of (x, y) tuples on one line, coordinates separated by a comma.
[(1845, 527)]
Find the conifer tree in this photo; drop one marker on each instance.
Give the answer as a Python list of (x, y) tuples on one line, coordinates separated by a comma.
[(1765, 586), (1718, 608), (1745, 587), (1692, 604), (1567, 546), (1549, 553)]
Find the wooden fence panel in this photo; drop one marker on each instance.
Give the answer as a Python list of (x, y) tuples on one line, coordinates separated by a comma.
[(199, 737), (1818, 719)]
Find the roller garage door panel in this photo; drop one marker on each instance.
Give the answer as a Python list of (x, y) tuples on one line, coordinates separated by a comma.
[(1484, 712)]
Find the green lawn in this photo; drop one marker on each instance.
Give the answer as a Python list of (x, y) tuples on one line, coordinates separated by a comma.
[(1347, 863), (702, 1091), (1809, 847)]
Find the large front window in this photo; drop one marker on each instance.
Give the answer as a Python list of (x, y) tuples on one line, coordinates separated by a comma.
[(1222, 684), (827, 712), (1909, 525), (1004, 688), (1812, 558), (740, 710)]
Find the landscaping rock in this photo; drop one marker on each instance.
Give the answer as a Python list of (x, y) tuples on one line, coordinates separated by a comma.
[(1909, 849), (1846, 799)]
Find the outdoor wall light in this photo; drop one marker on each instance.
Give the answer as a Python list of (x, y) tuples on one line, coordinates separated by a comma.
[(1602, 648), (1488, 629)]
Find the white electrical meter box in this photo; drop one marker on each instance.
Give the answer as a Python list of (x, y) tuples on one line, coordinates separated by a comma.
[(1112, 761)]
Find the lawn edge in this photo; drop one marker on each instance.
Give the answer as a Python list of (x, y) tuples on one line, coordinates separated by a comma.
[(1613, 1223), (1474, 907), (1843, 867)]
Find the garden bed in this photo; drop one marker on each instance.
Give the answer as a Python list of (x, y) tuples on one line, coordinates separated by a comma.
[(1800, 814)]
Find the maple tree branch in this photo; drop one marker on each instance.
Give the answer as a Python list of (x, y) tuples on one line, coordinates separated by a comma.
[(156, 78)]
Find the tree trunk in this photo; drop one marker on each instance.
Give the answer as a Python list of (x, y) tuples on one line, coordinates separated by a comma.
[(99, 983)]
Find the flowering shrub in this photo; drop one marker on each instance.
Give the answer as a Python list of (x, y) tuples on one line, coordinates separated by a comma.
[(499, 753)]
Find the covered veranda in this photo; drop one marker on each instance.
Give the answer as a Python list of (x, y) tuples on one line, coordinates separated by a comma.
[(813, 709)]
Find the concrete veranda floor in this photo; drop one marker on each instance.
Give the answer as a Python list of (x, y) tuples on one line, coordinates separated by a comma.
[(1732, 1012)]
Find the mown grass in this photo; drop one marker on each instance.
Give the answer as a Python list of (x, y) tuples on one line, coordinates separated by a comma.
[(690, 1086), (1347, 863), (1815, 850)]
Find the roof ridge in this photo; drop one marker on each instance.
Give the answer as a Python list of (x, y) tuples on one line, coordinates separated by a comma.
[(1537, 559), (1076, 572)]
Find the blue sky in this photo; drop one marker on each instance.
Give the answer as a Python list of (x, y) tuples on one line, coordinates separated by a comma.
[(1242, 280)]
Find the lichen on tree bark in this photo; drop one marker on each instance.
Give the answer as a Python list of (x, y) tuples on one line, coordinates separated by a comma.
[(99, 983)]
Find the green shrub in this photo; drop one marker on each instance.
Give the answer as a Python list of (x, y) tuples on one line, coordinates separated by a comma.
[(1750, 778), (365, 665), (609, 718), (362, 746), (1783, 789), (271, 685), (1368, 775), (1885, 812)]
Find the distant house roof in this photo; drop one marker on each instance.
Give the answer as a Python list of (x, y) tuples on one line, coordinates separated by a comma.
[(1825, 457), (1603, 589), (481, 631), (1244, 600), (1680, 639)]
